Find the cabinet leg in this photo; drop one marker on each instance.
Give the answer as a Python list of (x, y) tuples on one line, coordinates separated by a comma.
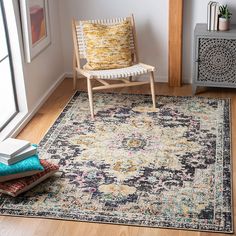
[(194, 89)]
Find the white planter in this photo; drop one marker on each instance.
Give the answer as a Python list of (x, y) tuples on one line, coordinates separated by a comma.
[(224, 24)]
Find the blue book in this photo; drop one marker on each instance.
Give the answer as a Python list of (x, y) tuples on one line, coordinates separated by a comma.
[(30, 164)]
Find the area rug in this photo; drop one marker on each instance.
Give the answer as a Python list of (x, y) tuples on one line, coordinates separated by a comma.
[(132, 165)]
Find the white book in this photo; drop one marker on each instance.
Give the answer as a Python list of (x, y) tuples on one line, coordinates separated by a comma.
[(209, 15), (213, 14), (28, 152), (217, 11), (10, 147)]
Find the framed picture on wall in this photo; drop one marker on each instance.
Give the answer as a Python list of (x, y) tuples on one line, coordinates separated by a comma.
[(35, 25)]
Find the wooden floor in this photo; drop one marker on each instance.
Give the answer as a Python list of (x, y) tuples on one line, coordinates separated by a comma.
[(34, 132)]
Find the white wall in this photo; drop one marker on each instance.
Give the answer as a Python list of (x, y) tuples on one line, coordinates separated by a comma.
[(151, 24), (47, 67), (195, 11)]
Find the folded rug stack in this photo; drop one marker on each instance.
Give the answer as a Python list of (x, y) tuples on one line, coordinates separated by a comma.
[(20, 167)]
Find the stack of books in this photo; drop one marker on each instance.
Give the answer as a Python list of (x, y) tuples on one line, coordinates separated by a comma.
[(20, 167), (15, 150), (213, 16)]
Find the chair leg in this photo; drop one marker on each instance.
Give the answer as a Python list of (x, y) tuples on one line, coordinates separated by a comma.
[(152, 85), (90, 95), (74, 72)]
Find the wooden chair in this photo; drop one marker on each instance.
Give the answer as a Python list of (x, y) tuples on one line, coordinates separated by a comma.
[(103, 76)]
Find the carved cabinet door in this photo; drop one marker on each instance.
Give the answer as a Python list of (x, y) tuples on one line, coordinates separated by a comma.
[(216, 61)]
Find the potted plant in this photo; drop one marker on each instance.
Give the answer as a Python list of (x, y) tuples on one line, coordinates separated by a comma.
[(224, 18)]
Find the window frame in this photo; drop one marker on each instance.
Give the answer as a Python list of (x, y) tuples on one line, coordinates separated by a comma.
[(2, 11)]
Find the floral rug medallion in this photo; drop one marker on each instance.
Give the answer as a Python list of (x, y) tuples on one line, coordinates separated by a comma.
[(166, 168)]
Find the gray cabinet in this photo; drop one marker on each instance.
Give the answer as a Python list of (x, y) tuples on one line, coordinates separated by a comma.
[(214, 58)]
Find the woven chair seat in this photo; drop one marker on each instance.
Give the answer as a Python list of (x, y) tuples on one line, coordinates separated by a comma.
[(137, 69)]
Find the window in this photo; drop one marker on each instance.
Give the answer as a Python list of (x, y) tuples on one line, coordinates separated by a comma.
[(8, 102)]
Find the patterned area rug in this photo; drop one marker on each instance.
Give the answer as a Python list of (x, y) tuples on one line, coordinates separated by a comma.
[(169, 168)]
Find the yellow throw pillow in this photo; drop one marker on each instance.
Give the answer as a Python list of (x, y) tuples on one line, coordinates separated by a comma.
[(108, 46)]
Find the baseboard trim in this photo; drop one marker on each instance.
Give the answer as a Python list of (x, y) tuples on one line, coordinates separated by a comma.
[(161, 79), (31, 113)]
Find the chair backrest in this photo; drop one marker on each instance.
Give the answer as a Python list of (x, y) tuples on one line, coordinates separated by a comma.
[(79, 40)]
